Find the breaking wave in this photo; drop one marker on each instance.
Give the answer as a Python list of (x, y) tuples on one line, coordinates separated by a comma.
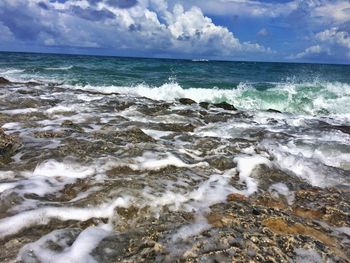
[(314, 98)]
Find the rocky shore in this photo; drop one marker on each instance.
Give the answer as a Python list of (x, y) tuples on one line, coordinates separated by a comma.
[(198, 182)]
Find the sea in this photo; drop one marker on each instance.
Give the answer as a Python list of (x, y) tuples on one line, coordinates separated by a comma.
[(110, 152)]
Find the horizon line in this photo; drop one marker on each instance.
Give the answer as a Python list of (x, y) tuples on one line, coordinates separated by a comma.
[(171, 58)]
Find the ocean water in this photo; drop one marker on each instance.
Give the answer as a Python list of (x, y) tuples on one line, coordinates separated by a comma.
[(108, 156), (313, 89)]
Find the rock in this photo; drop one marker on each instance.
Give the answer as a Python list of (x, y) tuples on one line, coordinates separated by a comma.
[(282, 227), (225, 106), (221, 163), (121, 137), (273, 111), (8, 144), (4, 81), (236, 197), (175, 127), (218, 117), (71, 125), (49, 134), (204, 105), (155, 109), (343, 128), (307, 213), (136, 135), (186, 101), (221, 220), (123, 105)]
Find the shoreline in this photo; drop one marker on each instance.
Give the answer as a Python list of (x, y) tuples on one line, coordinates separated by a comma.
[(149, 180)]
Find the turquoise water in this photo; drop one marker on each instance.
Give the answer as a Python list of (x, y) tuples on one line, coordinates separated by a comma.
[(314, 89)]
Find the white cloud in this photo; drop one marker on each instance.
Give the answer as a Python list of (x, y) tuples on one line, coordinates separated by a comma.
[(334, 36), (317, 49), (332, 42), (245, 7), (335, 12), (149, 24)]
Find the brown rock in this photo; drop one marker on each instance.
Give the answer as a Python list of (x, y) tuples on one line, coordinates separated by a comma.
[(8, 143), (236, 198), (307, 213), (282, 227)]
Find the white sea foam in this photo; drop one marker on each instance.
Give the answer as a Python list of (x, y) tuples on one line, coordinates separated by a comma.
[(307, 256), (78, 252), (48, 177), (283, 189), (312, 170), (201, 224), (245, 166), (5, 175), (12, 126), (60, 68), (20, 111), (14, 224), (156, 134), (286, 97), (151, 161), (6, 72), (60, 108)]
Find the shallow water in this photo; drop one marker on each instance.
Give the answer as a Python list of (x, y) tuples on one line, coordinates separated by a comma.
[(101, 164)]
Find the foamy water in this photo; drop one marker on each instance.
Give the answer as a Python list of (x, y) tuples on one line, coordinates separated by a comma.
[(89, 151)]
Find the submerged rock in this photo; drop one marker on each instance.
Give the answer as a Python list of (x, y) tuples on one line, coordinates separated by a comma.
[(187, 101), (71, 125), (135, 135), (9, 144), (221, 163), (176, 127), (4, 81), (155, 109), (274, 111), (343, 128), (225, 106), (204, 105)]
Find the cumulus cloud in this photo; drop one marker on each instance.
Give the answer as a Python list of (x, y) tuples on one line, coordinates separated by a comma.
[(335, 12), (334, 36), (330, 42), (316, 49), (120, 24), (245, 7)]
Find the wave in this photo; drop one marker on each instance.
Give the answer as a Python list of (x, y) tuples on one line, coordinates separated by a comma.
[(200, 60), (11, 71), (59, 68), (314, 98)]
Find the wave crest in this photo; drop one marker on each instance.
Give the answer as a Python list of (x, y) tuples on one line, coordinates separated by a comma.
[(315, 98)]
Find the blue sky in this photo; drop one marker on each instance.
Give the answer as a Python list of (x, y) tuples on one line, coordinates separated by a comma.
[(263, 30)]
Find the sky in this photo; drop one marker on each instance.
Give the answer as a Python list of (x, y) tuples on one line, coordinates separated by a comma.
[(316, 31)]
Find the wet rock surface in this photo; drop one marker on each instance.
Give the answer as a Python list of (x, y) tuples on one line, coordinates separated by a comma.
[(4, 81), (225, 106), (9, 144), (153, 181), (187, 101)]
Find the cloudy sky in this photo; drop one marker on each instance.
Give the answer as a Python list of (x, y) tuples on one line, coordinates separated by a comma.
[(262, 30)]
